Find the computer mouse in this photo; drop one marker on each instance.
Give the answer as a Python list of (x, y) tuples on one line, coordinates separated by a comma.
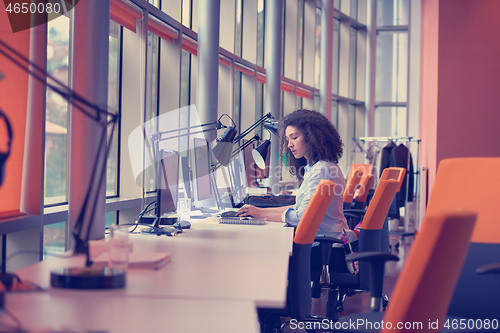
[(184, 224)]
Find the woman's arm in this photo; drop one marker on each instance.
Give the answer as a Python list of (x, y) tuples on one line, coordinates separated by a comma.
[(270, 213)]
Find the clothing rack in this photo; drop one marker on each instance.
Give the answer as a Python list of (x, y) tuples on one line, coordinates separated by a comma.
[(384, 138), (407, 140)]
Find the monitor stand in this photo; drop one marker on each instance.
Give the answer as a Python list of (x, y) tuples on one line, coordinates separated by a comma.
[(156, 229)]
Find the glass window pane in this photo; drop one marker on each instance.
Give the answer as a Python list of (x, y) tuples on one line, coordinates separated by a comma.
[(392, 67), (335, 56), (151, 97), (352, 62), (300, 42), (393, 12), (238, 29), (113, 95), (317, 49), (260, 33), (354, 9), (54, 239), (335, 113), (186, 13), (185, 78), (110, 218), (390, 121), (237, 98), (57, 112)]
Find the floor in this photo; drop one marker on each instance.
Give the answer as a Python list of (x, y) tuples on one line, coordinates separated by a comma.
[(360, 302)]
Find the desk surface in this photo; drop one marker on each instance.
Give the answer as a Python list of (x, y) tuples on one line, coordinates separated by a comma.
[(108, 311), (240, 263)]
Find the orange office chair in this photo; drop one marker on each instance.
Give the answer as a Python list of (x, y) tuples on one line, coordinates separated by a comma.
[(299, 275), (354, 216), (388, 173), (361, 195), (394, 173), (353, 179), (351, 185), (426, 283), (472, 184), (343, 282)]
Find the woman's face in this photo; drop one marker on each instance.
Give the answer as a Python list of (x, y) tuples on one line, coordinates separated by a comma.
[(296, 142)]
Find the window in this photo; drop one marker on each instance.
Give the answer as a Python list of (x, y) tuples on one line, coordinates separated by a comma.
[(391, 69), (56, 125), (113, 97), (260, 33), (392, 66)]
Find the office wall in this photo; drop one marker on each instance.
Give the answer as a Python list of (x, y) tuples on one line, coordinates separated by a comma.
[(460, 80), (13, 103)]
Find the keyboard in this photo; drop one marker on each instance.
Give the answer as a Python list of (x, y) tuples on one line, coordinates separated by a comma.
[(241, 220)]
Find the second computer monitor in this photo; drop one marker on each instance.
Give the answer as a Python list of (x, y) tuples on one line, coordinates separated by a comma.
[(201, 162), (238, 179), (167, 185)]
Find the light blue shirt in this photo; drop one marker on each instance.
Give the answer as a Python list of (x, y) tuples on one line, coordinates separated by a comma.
[(334, 221)]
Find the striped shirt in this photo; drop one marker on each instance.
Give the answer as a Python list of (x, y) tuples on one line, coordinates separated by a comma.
[(334, 221)]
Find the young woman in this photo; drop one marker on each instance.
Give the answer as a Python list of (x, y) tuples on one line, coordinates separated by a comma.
[(312, 148)]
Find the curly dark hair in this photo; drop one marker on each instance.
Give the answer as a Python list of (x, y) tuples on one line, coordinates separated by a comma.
[(322, 139)]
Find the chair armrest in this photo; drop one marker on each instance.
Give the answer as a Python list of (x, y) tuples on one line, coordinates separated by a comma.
[(372, 256), (327, 239), (376, 266), (489, 269), (357, 212), (325, 244), (353, 219), (348, 215)]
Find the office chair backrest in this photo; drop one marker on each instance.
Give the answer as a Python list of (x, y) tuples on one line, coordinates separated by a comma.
[(352, 182), (394, 173), (426, 283), (365, 185), (314, 212), (299, 277), (366, 168), (370, 235), (472, 184), (379, 205)]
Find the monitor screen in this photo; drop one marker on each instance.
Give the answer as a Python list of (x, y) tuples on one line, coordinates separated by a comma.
[(186, 176), (167, 189), (238, 178), (203, 189)]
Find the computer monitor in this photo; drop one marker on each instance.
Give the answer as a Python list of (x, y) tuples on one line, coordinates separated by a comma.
[(167, 189), (167, 178), (238, 179), (186, 177), (203, 189), (250, 167)]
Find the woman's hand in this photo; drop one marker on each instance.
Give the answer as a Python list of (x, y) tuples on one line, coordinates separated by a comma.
[(249, 210)]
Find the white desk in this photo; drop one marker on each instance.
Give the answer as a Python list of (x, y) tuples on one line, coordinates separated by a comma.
[(209, 261), (111, 311)]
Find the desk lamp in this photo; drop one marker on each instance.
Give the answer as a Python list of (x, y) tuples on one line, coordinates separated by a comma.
[(223, 150), (87, 277), (259, 154)]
